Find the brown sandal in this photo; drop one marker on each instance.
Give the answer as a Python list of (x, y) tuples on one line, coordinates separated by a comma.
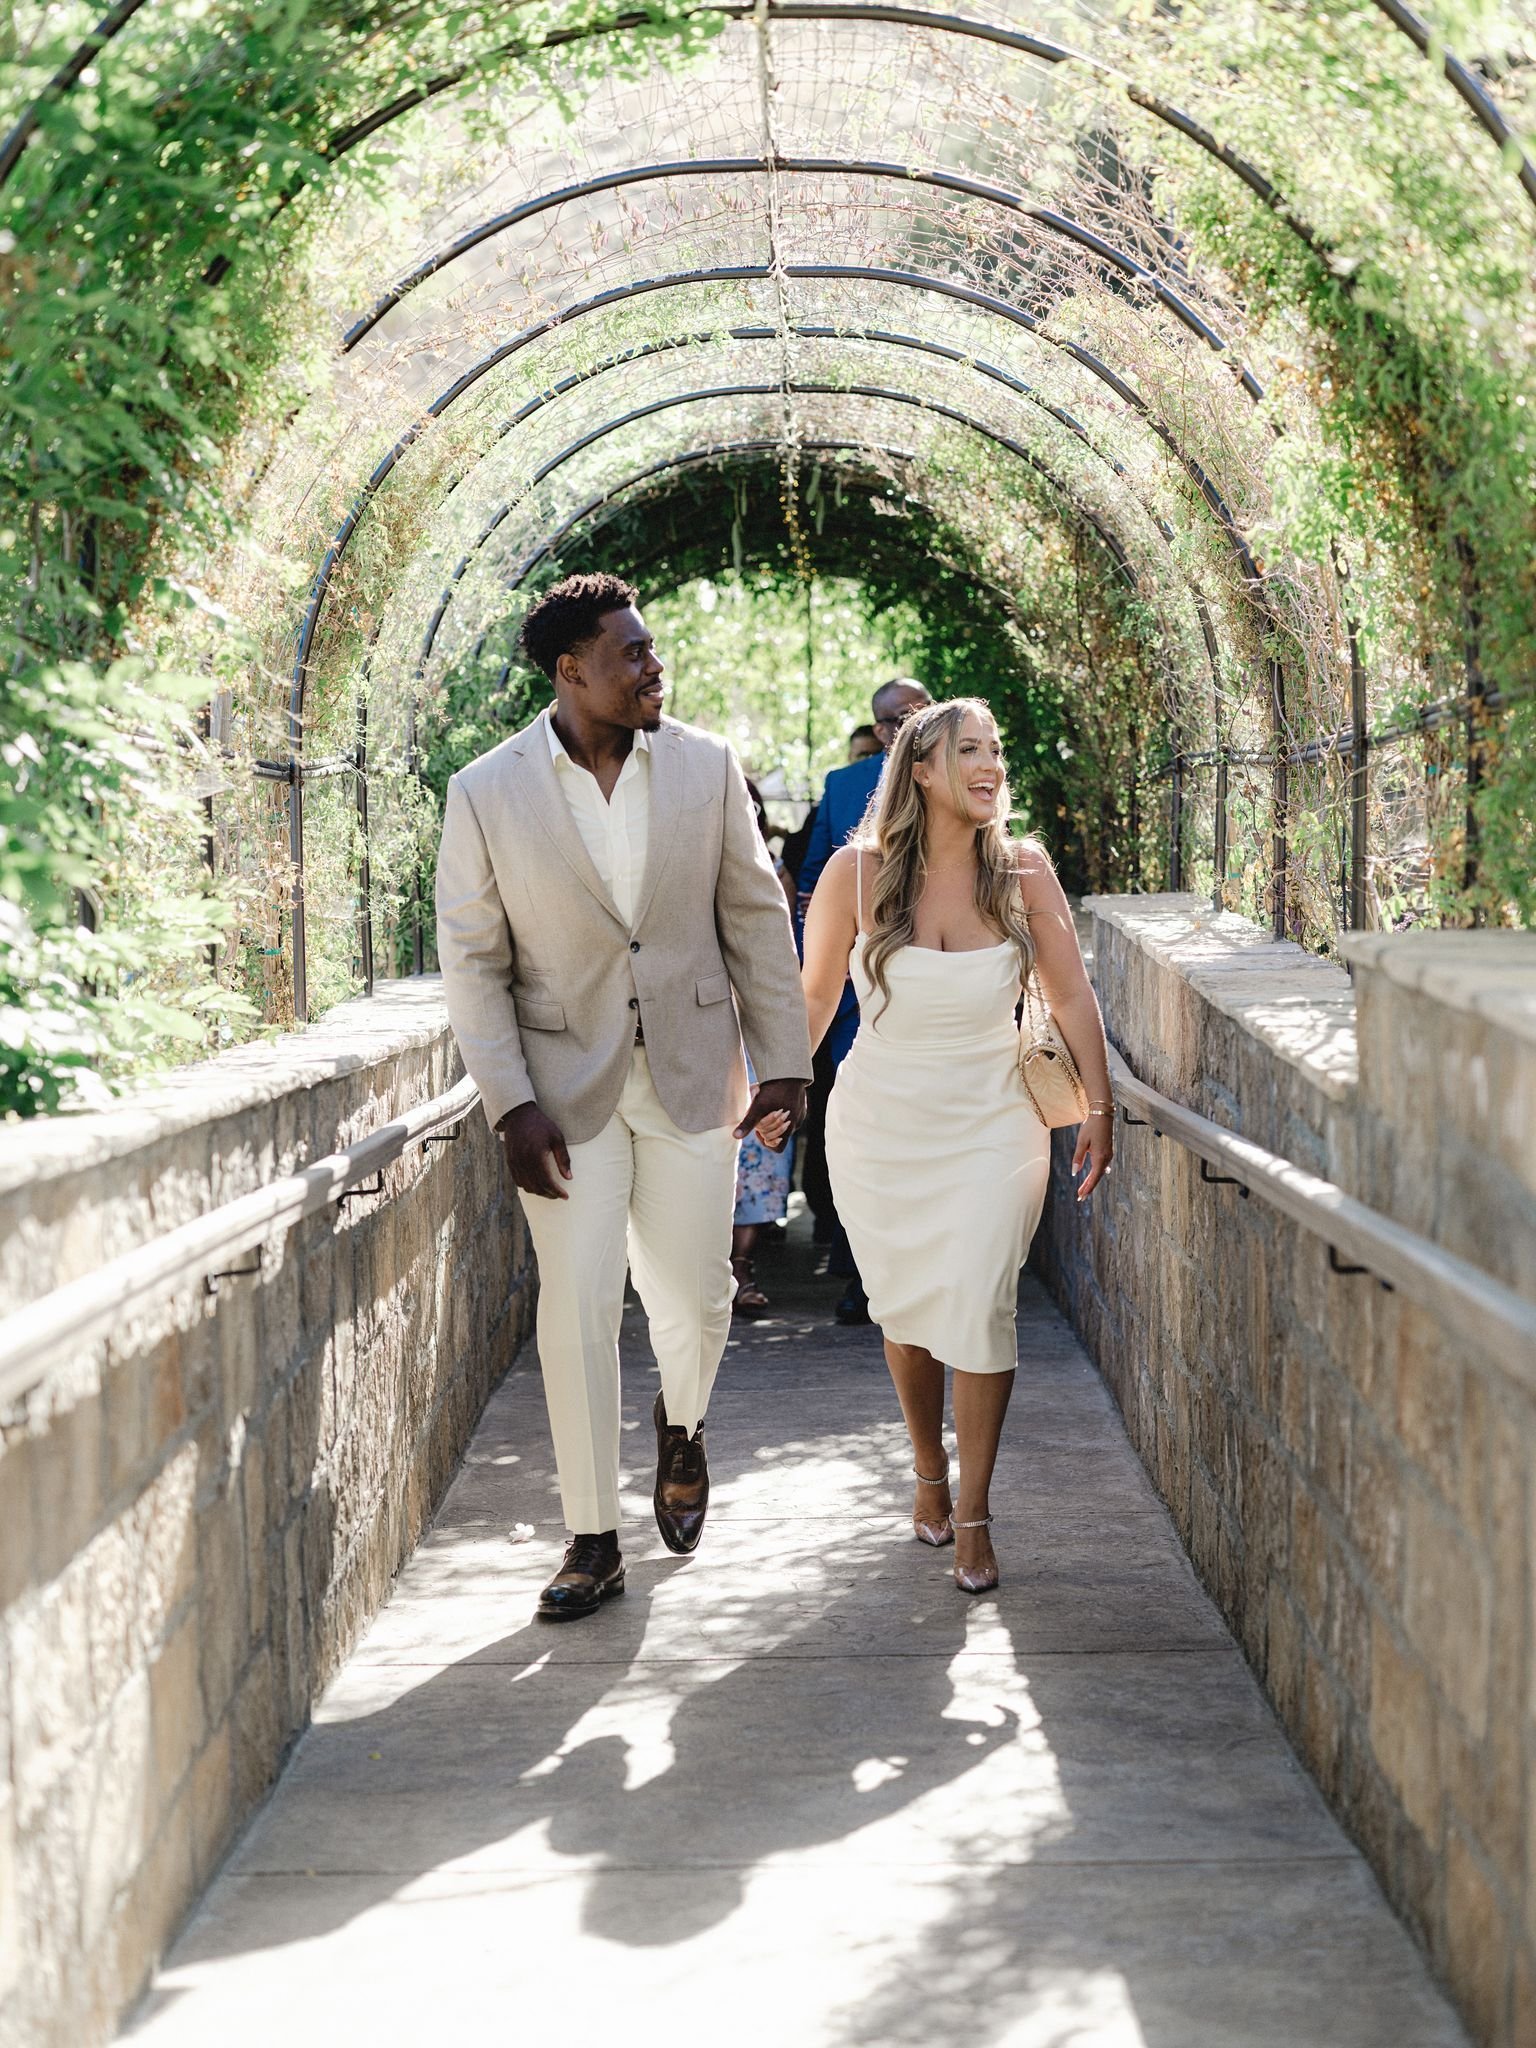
[(750, 1300)]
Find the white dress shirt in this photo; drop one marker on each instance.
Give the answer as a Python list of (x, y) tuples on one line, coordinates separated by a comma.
[(616, 833)]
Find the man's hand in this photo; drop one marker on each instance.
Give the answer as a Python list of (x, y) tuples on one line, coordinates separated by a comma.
[(776, 1099), (536, 1150)]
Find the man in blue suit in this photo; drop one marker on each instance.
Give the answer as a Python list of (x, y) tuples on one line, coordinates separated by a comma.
[(844, 800)]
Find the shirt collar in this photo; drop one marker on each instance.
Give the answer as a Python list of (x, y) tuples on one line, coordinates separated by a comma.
[(557, 751)]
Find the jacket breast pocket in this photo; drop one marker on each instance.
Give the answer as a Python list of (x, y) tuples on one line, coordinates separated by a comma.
[(535, 1014), (714, 988)]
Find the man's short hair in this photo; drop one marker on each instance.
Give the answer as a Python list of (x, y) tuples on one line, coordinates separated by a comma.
[(861, 732), (895, 683), (570, 614)]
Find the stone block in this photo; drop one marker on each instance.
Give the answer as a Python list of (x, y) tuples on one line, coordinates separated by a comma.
[(223, 1597), (120, 1788), (1295, 1408), (1265, 1496), (17, 1566), (1285, 1669), (279, 1330), (1352, 1622), (126, 1404), (237, 1325), (1322, 1725), (1478, 1779), (1310, 1546), (294, 1658), (1403, 1733), (164, 1527), (10, 1903), (253, 1480), (48, 1645), (258, 1733), (1447, 1609), (1522, 2018), (167, 1400), (1333, 1445), (1478, 1940), (68, 1461), (1429, 1404), (1373, 1511), (176, 1708), (161, 1892), (213, 1804)]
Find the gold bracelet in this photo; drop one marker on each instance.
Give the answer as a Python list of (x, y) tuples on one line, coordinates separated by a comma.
[(1101, 1109)]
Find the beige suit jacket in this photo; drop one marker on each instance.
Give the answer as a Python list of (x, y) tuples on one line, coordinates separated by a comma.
[(545, 983)]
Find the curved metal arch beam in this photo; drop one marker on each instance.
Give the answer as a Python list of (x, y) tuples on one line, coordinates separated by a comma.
[(1473, 94), (965, 26), (713, 453), (726, 274), (1055, 223), (343, 140), (778, 387), (805, 331), (67, 75), (612, 498)]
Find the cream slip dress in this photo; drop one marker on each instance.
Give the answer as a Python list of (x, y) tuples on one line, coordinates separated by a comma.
[(938, 1163)]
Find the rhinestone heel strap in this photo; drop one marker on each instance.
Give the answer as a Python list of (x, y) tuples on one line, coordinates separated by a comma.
[(935, 1534), (975, 1578)]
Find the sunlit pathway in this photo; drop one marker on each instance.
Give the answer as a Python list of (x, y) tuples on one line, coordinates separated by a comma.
[(797, 1790)]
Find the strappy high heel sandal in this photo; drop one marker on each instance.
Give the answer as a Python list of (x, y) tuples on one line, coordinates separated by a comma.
[(749, 1299), (937, 1534), (983, 1579)]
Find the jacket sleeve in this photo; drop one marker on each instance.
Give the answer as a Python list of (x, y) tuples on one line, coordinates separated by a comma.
[(819, 848), (758, 943), (474, 950)]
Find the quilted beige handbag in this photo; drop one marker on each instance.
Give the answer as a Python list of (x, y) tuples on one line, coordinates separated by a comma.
[(1047, 1069)]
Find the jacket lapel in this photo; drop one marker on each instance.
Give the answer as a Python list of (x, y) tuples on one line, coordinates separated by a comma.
[(540, 787), (666, 802)]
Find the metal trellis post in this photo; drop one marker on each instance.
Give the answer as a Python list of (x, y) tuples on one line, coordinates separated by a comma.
[(1359, 784), (365, 864)]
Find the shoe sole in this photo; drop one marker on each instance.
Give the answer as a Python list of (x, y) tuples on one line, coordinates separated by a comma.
[(608, 1592)]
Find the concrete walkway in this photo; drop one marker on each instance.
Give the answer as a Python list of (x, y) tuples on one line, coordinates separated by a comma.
[(797, 1790)]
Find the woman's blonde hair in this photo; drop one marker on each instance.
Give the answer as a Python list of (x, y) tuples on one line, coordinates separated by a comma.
[(896, 827)]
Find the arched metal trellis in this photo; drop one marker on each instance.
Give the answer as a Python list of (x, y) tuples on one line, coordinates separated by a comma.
[(1014, 448), (1016, 386), (738, 273), (1045, 217)]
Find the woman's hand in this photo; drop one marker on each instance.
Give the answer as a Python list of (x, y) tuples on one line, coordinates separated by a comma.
[(774, 1130), (1095, 1149)]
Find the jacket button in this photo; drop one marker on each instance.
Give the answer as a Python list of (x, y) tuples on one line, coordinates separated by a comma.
[(634, 945), (634, 1002)]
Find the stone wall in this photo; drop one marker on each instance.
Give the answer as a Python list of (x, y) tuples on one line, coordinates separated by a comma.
[(1356, 1485), (198, 1516)]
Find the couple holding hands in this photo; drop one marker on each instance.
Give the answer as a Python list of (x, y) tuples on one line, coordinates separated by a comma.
[(603, 893)]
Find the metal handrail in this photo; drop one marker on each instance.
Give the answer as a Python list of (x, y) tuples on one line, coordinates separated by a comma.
[(1469, 1302), (59, 1324)]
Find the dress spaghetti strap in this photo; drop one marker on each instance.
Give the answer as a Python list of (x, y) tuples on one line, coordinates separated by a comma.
[(858, 889)]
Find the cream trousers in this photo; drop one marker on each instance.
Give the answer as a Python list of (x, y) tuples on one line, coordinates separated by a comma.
[(658, 1202)]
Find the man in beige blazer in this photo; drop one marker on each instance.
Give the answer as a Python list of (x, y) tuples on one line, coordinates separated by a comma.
[(602, 893)]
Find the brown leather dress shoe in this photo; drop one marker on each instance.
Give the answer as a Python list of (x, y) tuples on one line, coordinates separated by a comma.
[(592, 1572), (681, 1498)]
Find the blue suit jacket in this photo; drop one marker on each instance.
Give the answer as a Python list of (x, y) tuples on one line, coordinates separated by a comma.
[(839, 815)]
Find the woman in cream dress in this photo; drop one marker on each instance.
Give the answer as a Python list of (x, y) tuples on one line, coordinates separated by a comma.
[(938, 1162)]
